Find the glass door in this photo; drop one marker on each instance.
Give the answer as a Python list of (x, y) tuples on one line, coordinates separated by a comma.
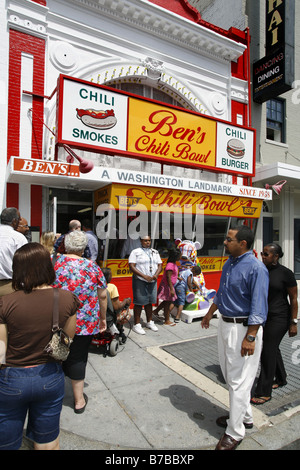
[(66, 205), (52, 215)]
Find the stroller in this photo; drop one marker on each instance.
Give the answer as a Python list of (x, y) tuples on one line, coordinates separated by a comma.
[(114, 334)]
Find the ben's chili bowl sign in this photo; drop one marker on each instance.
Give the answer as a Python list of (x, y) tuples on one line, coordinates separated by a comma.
[(123, 197), (176, 136), (100, 119)]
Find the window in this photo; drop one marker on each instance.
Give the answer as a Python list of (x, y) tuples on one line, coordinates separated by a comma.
[(276, 120), (148, 92)]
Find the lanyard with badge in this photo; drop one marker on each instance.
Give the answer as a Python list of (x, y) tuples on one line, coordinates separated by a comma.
[(148, 252)]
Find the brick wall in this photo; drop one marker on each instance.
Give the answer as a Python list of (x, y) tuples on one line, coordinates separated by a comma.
[(19, 43)]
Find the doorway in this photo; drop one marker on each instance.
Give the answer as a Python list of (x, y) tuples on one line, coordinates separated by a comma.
[(65, 205), (267, 230), (297, 248)]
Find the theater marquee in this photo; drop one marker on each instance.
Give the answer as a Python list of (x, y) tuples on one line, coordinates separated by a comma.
[(104, 120)]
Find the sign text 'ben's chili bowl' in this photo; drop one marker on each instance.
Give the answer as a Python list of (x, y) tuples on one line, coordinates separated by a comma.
[(101, 119), (123, 197)]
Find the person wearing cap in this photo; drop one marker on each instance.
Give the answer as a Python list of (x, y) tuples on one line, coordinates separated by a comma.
[(146, 265), (242, 300)]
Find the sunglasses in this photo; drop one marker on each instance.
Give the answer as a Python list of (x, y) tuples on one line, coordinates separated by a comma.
[(263, 253)]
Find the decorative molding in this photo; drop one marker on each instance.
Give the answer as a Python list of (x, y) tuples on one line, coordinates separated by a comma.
[(154, 68), (239, 90), (133, 73), (162, 23), (26, 25), (63, 56), (28, 17)]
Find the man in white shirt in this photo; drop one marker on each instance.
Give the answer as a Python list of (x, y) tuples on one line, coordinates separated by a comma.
[(10, 241)]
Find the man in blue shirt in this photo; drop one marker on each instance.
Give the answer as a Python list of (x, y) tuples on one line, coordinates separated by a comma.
[(242, 300), (92, 239)]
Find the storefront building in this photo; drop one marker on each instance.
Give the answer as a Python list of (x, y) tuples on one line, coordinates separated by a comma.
[(276, 121), (155, 104), (274, 52)]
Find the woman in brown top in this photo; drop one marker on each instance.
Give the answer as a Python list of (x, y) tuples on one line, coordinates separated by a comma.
[(30, 380)]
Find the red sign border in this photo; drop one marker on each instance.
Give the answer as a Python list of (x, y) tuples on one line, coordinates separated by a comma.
[(109, 151)]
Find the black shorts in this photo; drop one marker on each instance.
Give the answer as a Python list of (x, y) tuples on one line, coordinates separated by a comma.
[(75, 365)]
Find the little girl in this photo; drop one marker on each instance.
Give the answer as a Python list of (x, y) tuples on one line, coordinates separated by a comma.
[(166, 291)]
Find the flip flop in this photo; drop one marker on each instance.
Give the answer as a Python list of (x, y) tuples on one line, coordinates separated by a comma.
[(176, 320), (261, 400), (170, 324), (277, 385)]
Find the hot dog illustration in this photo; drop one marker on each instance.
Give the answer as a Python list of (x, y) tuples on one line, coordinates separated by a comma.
[(97, 119)]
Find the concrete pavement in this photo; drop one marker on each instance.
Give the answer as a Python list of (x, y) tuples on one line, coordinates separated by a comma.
[(146, 399)]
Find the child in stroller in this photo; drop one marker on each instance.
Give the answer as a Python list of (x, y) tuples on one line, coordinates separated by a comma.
[(117, 314)]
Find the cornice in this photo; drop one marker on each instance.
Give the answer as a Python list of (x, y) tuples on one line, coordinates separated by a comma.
[(162, 23)]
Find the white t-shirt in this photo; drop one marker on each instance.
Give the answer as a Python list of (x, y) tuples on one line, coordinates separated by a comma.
[(146, 260), (10, 241)]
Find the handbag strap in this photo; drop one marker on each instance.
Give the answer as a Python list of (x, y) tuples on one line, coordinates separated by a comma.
[(55, 326)]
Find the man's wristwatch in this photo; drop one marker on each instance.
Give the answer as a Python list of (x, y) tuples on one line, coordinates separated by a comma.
[(250, 338), (294, 321)]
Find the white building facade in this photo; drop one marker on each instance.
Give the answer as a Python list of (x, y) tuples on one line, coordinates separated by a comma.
[(164, 53)]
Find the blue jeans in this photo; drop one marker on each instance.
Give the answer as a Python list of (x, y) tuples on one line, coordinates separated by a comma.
[(37, 390), (181, 294)]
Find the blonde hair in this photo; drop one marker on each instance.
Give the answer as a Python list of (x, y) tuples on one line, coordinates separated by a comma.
[(47, 240)]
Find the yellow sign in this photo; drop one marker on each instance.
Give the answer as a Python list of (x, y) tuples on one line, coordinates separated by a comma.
[(120, 267), (176, 136), (123, 197)]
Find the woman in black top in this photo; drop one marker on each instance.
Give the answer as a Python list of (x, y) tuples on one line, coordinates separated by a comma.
[(282, 317)]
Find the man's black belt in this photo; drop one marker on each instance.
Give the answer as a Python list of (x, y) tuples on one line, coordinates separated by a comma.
[(243, 320)]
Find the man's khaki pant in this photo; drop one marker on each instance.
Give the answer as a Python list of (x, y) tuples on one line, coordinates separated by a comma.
[(5, 287), (239, 373)]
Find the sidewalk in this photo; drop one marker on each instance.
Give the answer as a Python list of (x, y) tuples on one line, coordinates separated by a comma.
[(145, 398)]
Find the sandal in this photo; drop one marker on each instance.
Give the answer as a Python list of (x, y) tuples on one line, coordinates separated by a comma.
[(170, 324), (176, 320), (260, 400), (279, 384)]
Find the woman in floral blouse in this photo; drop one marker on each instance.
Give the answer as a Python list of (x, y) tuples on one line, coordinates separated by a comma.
[(85, 279)]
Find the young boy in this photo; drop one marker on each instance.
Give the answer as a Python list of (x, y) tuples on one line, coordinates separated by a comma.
[(184, 284)]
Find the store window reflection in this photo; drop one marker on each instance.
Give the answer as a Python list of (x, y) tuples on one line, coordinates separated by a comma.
[(164, 229)]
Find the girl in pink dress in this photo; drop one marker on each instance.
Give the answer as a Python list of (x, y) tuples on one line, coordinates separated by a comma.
[(166, 291)]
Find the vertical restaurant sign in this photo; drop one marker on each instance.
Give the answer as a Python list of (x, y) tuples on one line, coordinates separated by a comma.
[(100, 119), (275, 23), (274, 74)]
